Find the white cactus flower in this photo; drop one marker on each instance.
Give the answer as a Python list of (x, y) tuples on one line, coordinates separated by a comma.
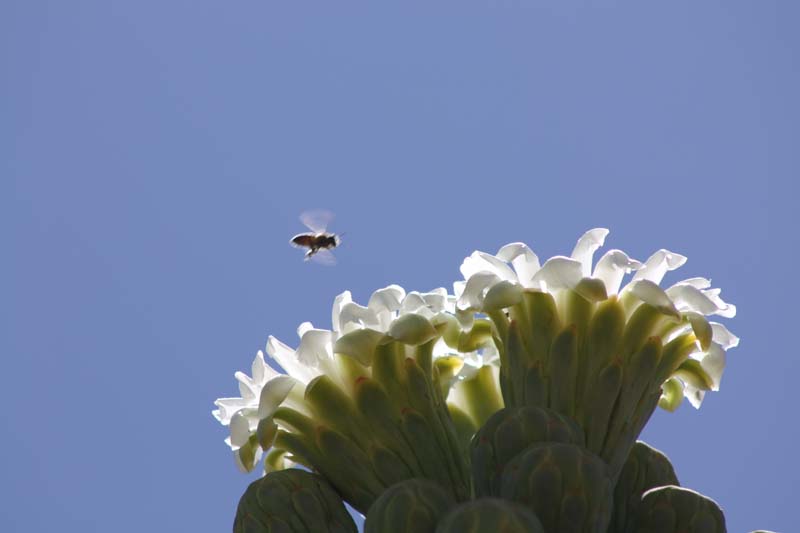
[(409, 317), (495, 282)]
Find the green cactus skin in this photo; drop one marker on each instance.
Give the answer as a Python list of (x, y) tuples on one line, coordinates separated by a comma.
[(490, 515), (674, 509), (411, 506), (645, 469), (292, 501), (566, 486), (510, 431)]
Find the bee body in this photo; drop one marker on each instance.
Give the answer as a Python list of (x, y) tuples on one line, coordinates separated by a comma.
[(318, 241), (315, 242)]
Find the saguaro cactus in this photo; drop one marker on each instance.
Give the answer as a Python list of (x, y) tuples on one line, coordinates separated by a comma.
[(513, 404)]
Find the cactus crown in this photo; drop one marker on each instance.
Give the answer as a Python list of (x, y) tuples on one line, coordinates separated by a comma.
[(513, 404)]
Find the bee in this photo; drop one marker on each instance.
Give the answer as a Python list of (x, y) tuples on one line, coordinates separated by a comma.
[(319, 242)]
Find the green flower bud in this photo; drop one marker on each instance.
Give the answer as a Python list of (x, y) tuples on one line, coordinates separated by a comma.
[(291, 501), (645, 468), (568, 487), (674, 509), (411, 506), (510, 431), (490, 514)]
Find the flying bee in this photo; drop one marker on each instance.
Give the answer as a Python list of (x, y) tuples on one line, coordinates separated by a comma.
[(319, 242)]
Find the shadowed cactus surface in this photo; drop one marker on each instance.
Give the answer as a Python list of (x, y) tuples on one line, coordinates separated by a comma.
[(490, 514), (674, 509), (411, 506), (292, 501), (645, 469)]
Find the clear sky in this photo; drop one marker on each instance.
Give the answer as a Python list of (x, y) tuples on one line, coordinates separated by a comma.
[(155, 155)]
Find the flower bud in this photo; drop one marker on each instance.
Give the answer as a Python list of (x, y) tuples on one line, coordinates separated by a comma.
[(568, 487), (674, 509), (292, 500), (645, 468), (510, 431), (413, 505)]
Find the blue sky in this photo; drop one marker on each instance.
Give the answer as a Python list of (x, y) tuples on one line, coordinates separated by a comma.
[(154, 157)]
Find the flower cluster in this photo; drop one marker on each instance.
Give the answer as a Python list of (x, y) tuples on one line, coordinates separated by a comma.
[(372, 388), (395, 389)]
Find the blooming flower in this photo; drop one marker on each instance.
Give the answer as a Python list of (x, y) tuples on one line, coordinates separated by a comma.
[(379, 356), (494, 282), (573, 338)]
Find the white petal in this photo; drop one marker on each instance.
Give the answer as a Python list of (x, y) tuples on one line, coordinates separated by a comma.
[(412, 329), (650, 293), (478, 283), (247, 388), (701, 328), (387, 299), (259, 368), (315, 347), (694, 395), (658, 264), (592, 289), (612, 267), (424, 312), (723, 337), (229, 407), (688, 298), (466, 318), (585, 248), (526, 263), (502, 295), (483, 262), (240, 429), (558, 273), (412, 302), (359, 344), (338, 303), (698, 283), (714, 364), (273, 394), (262, 372), (458, 288), (287, 359), (725, 309), (441, 318), (353, 315), (302, 328), (436, 299)]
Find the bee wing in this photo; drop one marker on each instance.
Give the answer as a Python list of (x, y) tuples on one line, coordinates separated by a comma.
[(304, 240), (323, 257), (317, 220)]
